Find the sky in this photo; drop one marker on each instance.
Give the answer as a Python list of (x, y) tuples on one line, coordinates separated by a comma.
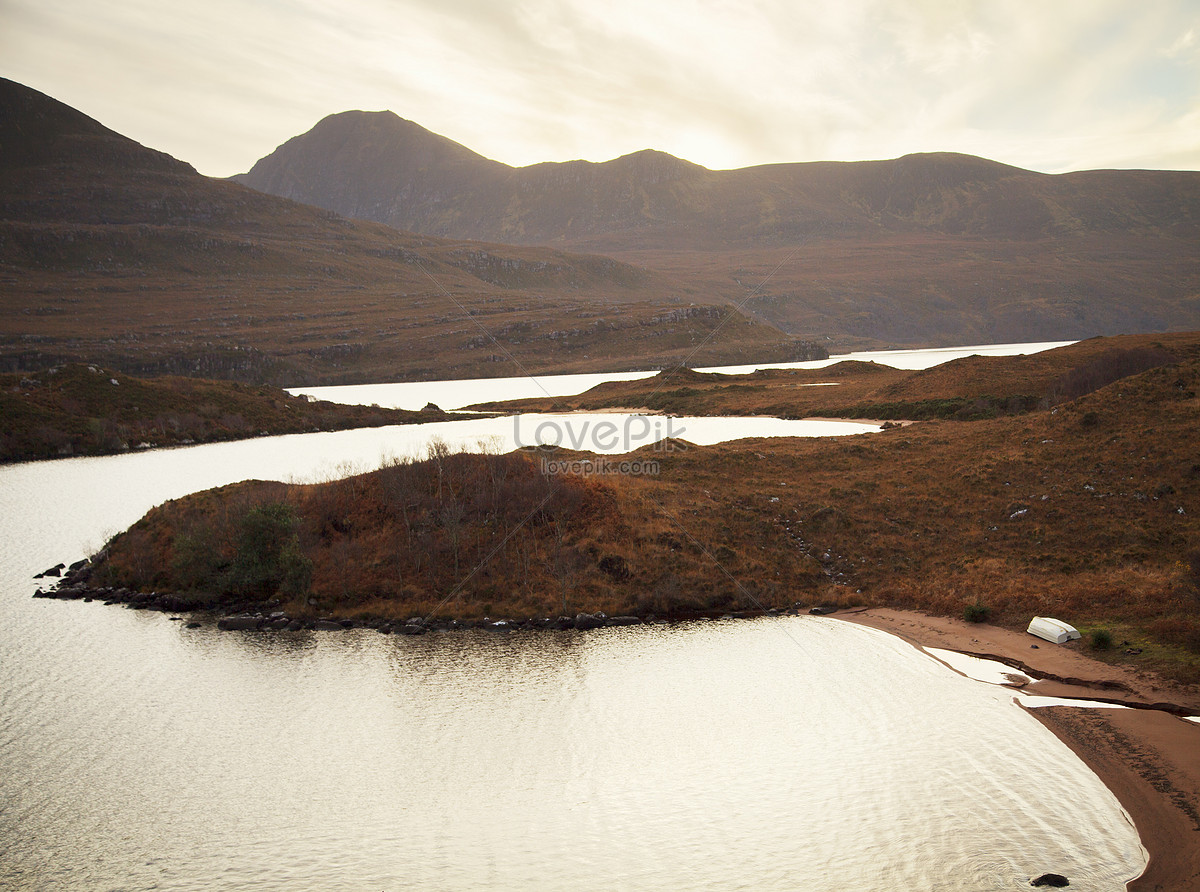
[(1048, 85)]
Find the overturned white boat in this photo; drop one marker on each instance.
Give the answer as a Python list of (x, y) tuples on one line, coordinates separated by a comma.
[(1054, 630)]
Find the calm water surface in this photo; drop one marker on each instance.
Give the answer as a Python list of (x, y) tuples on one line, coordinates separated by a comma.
[(791, 753), (456, 394)]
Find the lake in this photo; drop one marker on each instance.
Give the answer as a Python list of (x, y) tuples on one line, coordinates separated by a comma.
[(787, 753), (456, 394)]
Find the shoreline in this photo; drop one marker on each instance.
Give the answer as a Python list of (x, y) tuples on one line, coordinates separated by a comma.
[(1148, 757)]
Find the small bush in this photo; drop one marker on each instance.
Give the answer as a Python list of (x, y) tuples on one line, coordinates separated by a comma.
[(1102, 639), (198, 562), (1192, 574), (268, 555), (615, 566), (977, 613)]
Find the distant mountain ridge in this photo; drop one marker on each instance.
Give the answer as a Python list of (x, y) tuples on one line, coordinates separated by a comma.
[(927, 249), (378, 166)]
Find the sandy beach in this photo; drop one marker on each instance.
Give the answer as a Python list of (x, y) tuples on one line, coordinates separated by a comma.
[(1149, 756)]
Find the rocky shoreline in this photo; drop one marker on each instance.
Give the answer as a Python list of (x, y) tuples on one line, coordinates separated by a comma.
[(73, 585)]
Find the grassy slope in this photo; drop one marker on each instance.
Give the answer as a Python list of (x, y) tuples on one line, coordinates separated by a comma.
[(1087, 512), (86, 410)]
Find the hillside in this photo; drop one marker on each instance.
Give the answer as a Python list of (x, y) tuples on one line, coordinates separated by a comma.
[(1086, 511), (87, 410), (933, 248), (114, 253)]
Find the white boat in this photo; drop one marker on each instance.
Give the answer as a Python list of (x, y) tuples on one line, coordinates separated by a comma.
[(1054, 630)]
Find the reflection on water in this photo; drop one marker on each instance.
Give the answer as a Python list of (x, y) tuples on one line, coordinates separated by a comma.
[(456, 394)]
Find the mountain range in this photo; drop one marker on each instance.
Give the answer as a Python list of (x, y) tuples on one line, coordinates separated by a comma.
[(112, 252), (930, 248), (378, 166), (371, 248)]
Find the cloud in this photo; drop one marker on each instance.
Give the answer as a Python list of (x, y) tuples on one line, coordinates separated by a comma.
[(1185, 43), (1053, 86)]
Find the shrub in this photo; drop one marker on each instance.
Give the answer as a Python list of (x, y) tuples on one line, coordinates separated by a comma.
[(197, 559), (977, 613), (1102, 639), (268, 557), (615, 566)]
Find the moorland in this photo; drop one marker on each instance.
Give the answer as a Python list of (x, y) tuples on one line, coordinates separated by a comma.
[(1063, 481), (1082, 506), (78, 409)]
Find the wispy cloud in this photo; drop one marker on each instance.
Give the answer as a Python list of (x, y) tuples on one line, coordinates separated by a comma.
[(1052, 86)]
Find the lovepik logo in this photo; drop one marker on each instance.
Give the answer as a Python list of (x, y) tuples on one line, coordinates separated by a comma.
[(587, 434)]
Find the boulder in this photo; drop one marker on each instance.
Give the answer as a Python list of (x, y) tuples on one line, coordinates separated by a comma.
[(1056, 880), (584, 621), (327, 625), (624, 621), (410, 629)]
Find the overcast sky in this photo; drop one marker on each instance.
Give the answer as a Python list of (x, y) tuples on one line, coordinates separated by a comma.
[(1049, 85)]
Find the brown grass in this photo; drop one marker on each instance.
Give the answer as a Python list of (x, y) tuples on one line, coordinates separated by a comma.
[(89, 410), (1087, 512)]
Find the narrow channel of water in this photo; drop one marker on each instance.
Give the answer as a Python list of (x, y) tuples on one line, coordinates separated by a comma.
[(456, 394)]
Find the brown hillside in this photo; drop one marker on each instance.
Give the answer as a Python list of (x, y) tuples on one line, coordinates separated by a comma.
[(114, 253), (87, 410)]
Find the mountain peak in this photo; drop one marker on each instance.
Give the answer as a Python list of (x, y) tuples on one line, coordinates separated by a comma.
[(653, 160), (958, 166), (380, 139), (344, 160)]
